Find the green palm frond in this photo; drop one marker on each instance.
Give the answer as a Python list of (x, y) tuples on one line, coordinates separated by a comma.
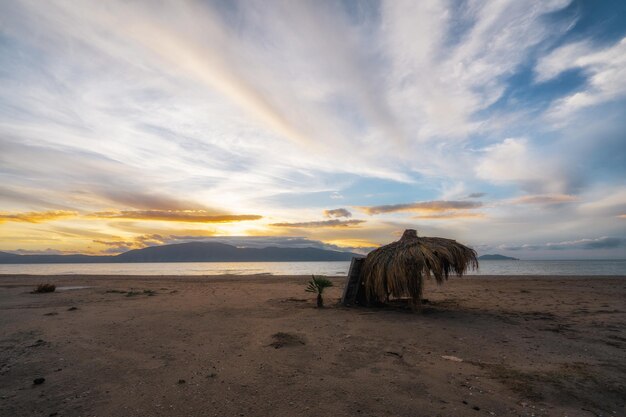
[(318, 284)]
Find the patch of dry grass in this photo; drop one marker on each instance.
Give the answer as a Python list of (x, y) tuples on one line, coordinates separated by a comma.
[(44, 288)]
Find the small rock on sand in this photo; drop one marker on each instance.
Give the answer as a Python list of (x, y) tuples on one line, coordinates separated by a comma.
[(282, 339)]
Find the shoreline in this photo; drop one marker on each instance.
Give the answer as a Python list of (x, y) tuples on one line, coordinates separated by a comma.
[(255, 345), (267, 274)]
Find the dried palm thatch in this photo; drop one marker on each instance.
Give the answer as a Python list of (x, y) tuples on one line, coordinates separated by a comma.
[(399, 268)]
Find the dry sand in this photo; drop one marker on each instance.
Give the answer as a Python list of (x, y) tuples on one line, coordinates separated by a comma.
[(204, 346)]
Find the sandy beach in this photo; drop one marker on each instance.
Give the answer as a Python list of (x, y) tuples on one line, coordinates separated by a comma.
[(256, 346)]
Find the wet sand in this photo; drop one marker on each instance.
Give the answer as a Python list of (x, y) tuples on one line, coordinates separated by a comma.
[(256, 346)]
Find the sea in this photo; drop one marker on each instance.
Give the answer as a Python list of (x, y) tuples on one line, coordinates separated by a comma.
[(568, 267)]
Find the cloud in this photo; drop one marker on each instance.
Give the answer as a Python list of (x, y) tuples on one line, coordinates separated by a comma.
[(509, 161), (30, 197), (147, 201), (115, 250), (546, 199), (200, 216), (36, 217), (115, 247), (48, 251), (515, 160), (476, 195), (423, 207), (264, 241), (142, 241), (605, 202), (604, 242), (461, 215), (119, 245), (323, 223), (451, 60), (605, 69), (337, 213)]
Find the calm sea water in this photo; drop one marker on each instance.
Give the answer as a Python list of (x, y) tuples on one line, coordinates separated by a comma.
[(614, 267)]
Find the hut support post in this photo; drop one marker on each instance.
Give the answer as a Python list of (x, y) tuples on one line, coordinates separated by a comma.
[(353, 283)]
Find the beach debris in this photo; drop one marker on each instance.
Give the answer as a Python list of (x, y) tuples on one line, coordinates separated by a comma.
[(317, 285), (44, 288), (39, 381), (72, 309), (52, 313), (295, 300), (399, 269), (181, 381), (39, 342), (282, 339), (452, 358), (133, 293)]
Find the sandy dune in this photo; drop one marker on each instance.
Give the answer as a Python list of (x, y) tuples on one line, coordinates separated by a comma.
[(256, 346)]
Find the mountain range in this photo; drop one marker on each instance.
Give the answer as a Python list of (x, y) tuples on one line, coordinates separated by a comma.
[(496, 257), (190, 252)]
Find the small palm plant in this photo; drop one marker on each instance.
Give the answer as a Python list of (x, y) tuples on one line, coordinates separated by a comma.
[(317, 285)]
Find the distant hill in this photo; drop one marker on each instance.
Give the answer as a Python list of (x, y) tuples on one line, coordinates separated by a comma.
[(191, 252), (496, 257)]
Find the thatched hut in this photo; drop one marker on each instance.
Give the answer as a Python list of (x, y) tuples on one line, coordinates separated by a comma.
[(398, 269)]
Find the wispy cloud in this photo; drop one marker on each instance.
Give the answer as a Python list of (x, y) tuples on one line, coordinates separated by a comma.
[(605, 68), (200, 216), (48, 251), (423, 207), (604, 242), (322, 223), (448, 216), (546, 199), (36, 217)]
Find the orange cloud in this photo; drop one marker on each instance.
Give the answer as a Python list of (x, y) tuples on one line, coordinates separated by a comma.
[(323, 223), (36, 216), (199, 216)]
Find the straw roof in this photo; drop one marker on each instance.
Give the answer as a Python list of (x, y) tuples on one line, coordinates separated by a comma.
[(399, 268)]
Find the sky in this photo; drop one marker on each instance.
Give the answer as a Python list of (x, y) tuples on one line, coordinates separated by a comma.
[(334, 124)]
